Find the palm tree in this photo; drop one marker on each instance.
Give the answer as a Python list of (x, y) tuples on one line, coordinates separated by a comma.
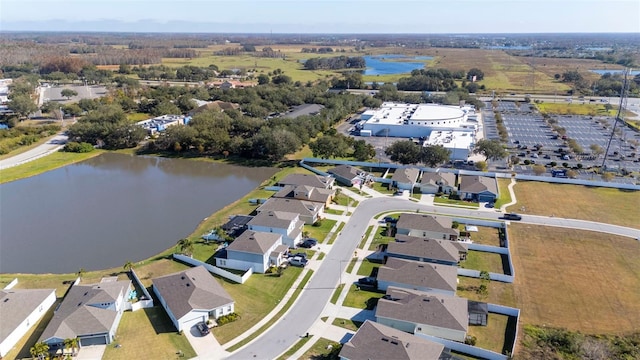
[(71, 344), (40, 350), (128, 266), (81, 272), (185, 246)]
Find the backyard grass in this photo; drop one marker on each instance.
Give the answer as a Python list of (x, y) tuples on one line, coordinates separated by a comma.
[(505, 195), (158, 268), (575, 108), (578, 280), (55, 281), (254, 300), (335, 235), (366, 267), (321, 350), (613, 206), (498, 292), (347, 324), (444, 200), (380, 238), (486, 236), (336, 293), (139, 329), (361, 299), (44, 164), (493, 336), (320, 232), (292, 350), (480, 260)]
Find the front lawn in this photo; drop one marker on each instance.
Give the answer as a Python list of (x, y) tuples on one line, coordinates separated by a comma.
[(323, 349), (362, 299), (444, 200), (505, 195), (382, 188), (320, 232), (366, 267), (380, 238), (148, 334), (347, 324)]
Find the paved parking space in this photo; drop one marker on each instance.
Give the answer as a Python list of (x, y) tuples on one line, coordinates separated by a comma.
[(207, 347), (93, 352)]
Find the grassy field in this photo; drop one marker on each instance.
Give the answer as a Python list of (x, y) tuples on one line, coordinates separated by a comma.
[(55, 281), (50, 162), (503, 189), (268, 289), (480, 260), (566, 108), (579, 280), (491, 337), (498, 292), (142, 328), (605, 205), (486, 236)]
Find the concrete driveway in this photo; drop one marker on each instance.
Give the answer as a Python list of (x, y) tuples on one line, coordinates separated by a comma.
[(207, 347), (93, 352)]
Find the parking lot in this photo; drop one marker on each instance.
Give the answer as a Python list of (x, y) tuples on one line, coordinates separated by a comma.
[(84, 92)]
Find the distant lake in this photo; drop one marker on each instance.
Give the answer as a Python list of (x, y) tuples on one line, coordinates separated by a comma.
[(507, 47), (617, 71), (99, 213), (393, 64)]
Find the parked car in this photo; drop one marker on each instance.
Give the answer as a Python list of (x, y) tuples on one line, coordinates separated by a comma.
[(203, 328), (300, 254), (368, 281), (512, 216), (390, 219), (298, 261), (309, 243)]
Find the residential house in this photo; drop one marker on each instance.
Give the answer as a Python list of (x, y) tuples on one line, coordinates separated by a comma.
[(415, 275), (20, 309), (236, 225), (309, 211), (306, 192), (231, 84), (192, 296), (478, 188), (441, 182), (89, 312), (217, 105), (421, 225), (427, 250), (405, 178), (284, 223), (347, 175), (254, 250), (374, 341), (323, 182), (418, 312)]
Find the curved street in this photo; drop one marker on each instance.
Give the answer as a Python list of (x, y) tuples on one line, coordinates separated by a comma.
[(53, 144), (319, 289)]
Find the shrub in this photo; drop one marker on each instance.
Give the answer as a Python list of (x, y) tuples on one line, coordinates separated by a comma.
[(470, 340), (318, 223), (227, 318), (76, 147)]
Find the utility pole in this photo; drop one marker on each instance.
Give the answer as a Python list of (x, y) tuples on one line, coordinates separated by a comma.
[(621, 106)]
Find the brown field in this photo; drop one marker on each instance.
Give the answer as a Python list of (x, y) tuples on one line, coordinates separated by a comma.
[(579, 280), (605, 205)]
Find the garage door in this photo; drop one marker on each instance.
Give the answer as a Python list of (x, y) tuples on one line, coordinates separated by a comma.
[(93, 340), (188, 324), (485, 198)]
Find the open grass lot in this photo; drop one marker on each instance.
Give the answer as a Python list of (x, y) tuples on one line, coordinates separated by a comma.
[(361, 299), (566, 108), (50, 162), (579, 280), (347, 324), (148, 334), (491, 337), (486, 236), (480, 260), (320, 232), (498, 292), (505, 195), (268, 289), (605, 205), (321, 350)]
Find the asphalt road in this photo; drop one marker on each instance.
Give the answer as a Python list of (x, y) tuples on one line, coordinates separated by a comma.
[(318, 291), (55, 143)]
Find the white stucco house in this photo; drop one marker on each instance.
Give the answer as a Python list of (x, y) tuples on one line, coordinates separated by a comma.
[(284, 223), (254, 250), (192, 296), (20, 310)]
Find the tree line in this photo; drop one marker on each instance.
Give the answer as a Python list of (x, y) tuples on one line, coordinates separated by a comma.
[(335, 63)]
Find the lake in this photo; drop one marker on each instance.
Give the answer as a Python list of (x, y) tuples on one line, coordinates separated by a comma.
[(99, 213), (617, 71), (393, 64)]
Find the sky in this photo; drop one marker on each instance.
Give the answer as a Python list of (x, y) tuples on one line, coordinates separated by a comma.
[(323, 16)]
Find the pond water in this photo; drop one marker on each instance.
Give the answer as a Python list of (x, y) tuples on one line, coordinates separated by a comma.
[(617, 71), (393, 64), (102, 212)]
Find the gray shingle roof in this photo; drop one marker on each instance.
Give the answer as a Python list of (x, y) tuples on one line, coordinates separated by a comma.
[(426, 223), (16, 305), (375, 341), (450, 312), (274, 219), (308, 179), (443, 178), (415, 273), (305, 192), (345, 171), (255, 242), (79, 313), (476, 184), (192, 289), (444, 250), (406, 175), (305, 208)]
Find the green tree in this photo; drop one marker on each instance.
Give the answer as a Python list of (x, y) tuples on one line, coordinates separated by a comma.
[(404, 152), (165, 108), (185, 246), (40, 350), (263, 79), (490, 149), (128, 265), (434, 155), (481, 165), (72, 344), (68, 93), (363, 151), (479, 74), (81, 272), (22, 105), (329, 146)]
